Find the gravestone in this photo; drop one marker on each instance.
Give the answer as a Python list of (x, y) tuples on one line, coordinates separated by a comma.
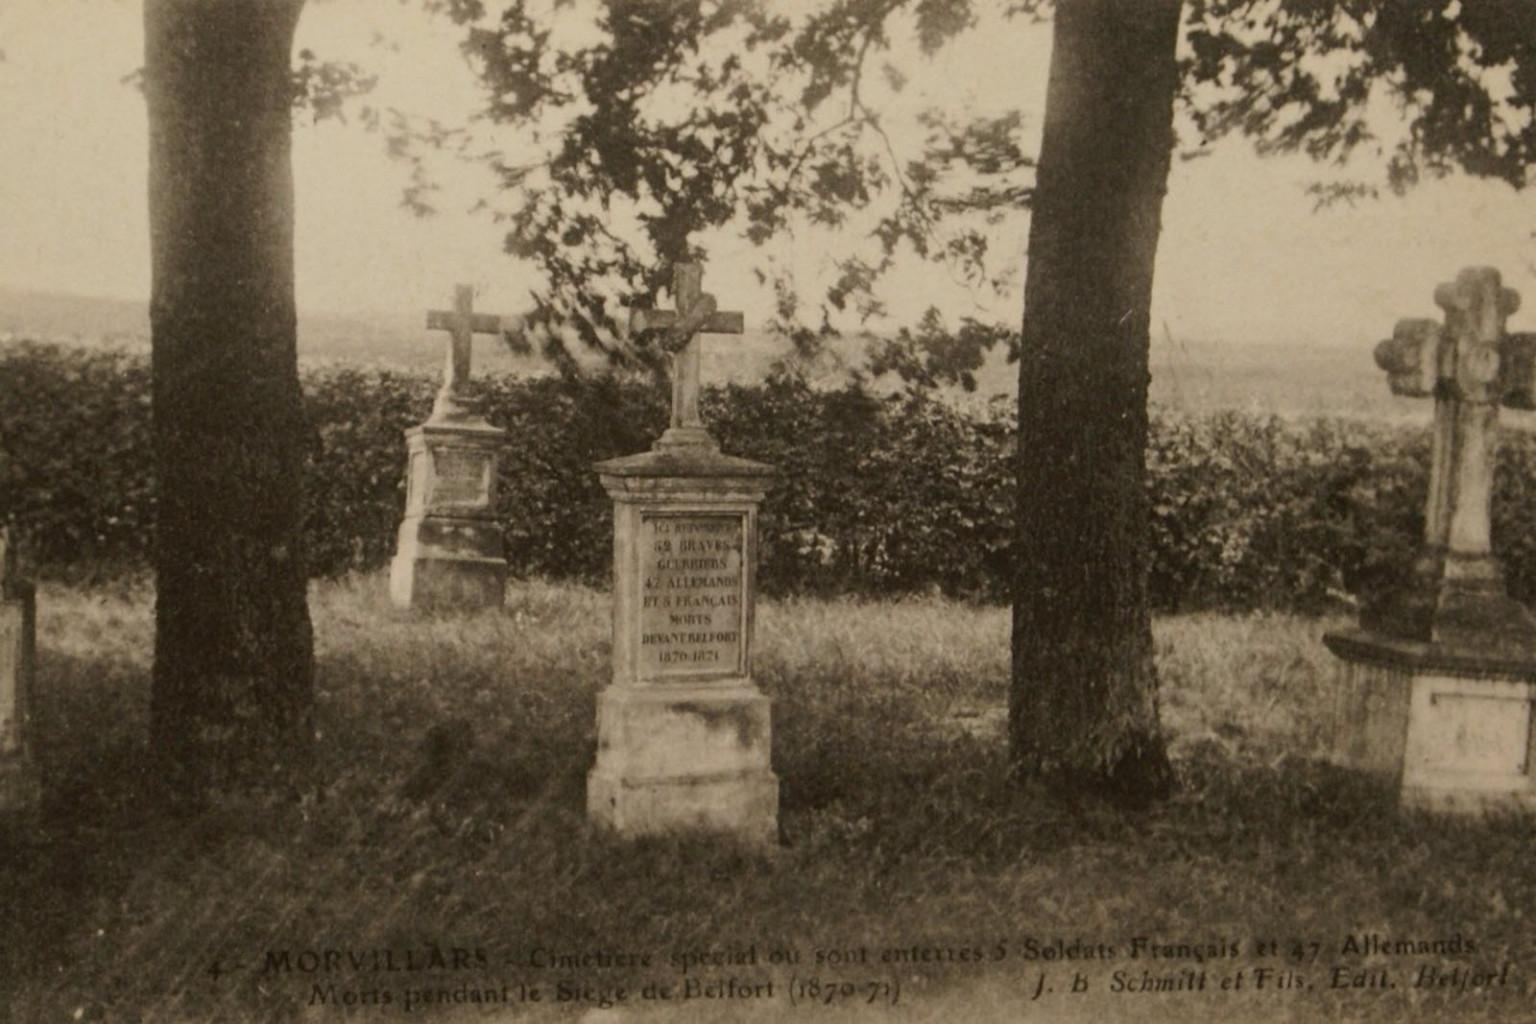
[(18, 645), (684, 733), (448, 556), (1437, 687)]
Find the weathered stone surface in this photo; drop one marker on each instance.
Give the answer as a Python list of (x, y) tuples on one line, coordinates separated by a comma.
[(448, 555), (1436, 691), (677, 758), (1470, 366), (684, 735), (647, 597), (1451, 729), (1409, 357)]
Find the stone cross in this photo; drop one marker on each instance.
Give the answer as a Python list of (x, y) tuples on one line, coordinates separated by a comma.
[(462, 323), (697, 313), (1471, 366)]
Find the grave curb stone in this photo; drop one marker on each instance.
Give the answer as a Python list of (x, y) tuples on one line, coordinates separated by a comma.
[(1440, 723)]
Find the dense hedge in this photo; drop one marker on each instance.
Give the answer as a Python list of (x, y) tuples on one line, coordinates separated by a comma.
[(874, 495)]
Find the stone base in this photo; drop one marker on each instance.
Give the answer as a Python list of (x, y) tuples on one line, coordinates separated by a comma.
[(1450, 727), (1455, 601), (677, 758), (447, 584), (448, 554)]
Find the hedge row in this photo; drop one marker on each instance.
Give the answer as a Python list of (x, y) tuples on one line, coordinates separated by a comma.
[(874, 495)]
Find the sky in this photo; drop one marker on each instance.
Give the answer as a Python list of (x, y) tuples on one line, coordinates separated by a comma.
[(1243, 256)]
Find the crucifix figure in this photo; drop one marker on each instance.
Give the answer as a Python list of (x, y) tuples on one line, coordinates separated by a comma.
[(462, 323), (697, 313), (1471, 366)]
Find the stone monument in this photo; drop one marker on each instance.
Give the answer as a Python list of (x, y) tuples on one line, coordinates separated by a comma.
[(18, 645), (1437, 686), (448, 556), (683, 732)]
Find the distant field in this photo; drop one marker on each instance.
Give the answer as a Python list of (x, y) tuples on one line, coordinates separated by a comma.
[(1194, 374)]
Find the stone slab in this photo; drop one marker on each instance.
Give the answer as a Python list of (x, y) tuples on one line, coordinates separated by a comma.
[(451, 470), (448, 553), (447, 584), (684, 735), (1451, 729), (693, 600), (684, 556), (742, 806), (677, 758), (676, 731)]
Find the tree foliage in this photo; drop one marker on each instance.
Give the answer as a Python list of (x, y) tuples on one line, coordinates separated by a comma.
[(1432, 87), (656, 126), (653, 125)]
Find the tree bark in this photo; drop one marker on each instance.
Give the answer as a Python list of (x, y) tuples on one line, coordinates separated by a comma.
[(1083, 702), (233, 673)]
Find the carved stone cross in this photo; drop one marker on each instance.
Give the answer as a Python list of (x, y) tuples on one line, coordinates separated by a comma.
[(697, 313), (462, 323), (1471, 367)]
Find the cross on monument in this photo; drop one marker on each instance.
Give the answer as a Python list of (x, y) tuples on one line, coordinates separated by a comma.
[(462, 323), (697, 313), (1471, 366)]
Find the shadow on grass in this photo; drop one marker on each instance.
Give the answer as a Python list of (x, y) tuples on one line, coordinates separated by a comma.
[(450, 813)]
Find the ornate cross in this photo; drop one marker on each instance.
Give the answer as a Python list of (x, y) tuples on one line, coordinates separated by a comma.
[(697, 313), (1471, 366), (462, 323)]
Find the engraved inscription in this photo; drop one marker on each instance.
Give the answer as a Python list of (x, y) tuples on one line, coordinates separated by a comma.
[(461, 477), (692, 612)]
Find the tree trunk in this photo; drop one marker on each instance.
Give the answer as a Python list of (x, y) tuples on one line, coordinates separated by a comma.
[(233, 675), (1083, 704)]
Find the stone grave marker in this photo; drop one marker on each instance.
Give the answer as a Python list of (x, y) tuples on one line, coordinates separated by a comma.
[(448, 556), (684, 733), (18, 646), (1437, 687)]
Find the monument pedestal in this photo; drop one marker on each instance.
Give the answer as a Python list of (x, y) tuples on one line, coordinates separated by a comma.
[(449, 553), (1436, 690), (18, 631), (1450, 726), (684, 734)]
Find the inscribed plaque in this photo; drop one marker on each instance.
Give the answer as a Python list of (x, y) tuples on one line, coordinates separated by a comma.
[(460, 477), (692, 594)]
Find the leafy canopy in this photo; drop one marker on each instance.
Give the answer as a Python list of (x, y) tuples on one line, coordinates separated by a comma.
[(653, 125), (645, 127)]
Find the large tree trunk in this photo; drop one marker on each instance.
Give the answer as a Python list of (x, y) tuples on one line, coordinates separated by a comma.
[(233, 673), (1083, 705)]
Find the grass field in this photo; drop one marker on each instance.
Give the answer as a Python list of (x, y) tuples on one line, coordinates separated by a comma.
[(901, 839)]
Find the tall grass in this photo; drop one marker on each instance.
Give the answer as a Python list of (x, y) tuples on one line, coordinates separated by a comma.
[(451, 815)]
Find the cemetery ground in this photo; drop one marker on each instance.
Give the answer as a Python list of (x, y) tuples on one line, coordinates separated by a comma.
[(448, 846)]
